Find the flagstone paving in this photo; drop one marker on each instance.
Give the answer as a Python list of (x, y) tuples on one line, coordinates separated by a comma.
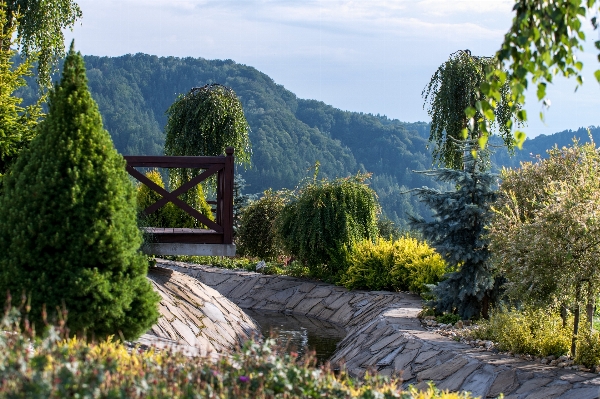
[(384, 335)]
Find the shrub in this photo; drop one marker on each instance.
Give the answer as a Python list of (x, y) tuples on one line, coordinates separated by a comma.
[(536, 332), (52, 367), (257, 235), (588, 349), (404, 264), (323, 219), (170, 215), (68, 233)]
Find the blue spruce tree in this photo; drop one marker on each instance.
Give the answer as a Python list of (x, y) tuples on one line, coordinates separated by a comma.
[(457, 233)]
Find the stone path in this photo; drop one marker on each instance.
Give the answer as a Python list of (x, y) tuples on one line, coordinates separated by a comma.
[(384, 335)]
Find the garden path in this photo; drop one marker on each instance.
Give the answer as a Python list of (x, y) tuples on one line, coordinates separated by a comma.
[(384, 334)]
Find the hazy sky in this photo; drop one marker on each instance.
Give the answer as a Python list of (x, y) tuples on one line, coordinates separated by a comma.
[(369, 55)]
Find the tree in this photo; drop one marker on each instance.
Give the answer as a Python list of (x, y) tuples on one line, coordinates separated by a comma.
[(68, 233), (453, 88), (541, 43), (17, 124), (40, 25), (457, 234), (546, 230), (204, 122), (323, 219)]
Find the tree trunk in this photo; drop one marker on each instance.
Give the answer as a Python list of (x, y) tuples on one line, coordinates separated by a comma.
[(576, 320), (563, 314), (589, 308), (485, 307)]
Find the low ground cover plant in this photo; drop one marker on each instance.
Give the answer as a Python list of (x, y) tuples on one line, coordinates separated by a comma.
[(59, 367), (397, 265)]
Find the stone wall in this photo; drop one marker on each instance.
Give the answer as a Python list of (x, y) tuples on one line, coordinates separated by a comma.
[(195, 318), (384, 335)]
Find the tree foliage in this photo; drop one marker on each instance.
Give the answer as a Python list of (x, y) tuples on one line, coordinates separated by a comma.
[(257, 234), (542, 42), (546, 230), (40, 25), (205, 121), (170, 215), (17, 123), (457, 234), (68, 233), (324, 218), (454, 88)]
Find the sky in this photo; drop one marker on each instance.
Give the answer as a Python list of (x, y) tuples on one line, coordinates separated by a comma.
[(367, 56)]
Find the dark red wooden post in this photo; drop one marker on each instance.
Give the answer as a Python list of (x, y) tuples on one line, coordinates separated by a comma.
[(228, 197)]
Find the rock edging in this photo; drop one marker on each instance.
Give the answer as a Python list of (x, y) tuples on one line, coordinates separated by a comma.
[(384, 334), (195, 318)]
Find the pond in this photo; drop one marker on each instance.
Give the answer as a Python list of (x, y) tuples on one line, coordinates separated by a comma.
[(299, 332)]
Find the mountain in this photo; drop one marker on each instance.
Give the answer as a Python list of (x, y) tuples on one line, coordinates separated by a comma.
[(288, 134)]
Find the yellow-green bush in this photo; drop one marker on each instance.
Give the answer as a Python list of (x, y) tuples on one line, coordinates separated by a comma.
[(536, 332), (403, 264), (588, 349), (170, 215)]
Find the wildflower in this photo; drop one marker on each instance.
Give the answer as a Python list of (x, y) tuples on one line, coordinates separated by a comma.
[(244, 379)]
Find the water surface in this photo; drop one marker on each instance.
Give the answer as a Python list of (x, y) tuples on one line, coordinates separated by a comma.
[(299, 332)]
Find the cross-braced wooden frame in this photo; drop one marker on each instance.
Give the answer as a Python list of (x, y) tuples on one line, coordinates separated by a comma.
[(219, 231)]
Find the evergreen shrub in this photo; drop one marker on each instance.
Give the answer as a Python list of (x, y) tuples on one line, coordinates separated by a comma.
[(400, 265), (323, 219), (68, 232), (170, 215), (537, 332), (257, 234)]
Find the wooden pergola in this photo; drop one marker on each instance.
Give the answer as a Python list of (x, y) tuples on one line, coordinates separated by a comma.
[(217, 239)]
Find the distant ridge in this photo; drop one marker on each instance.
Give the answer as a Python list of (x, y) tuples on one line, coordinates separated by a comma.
[(288, 134)]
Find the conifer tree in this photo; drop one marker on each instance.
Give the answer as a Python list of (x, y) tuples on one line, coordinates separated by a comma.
[(68, 233), (457, 233)]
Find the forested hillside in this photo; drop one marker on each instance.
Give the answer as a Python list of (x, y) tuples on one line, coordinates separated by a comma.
[(288, 134)]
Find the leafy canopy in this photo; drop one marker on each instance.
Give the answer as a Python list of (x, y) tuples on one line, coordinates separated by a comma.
[(17, 123), (324, 218), (68, 232), (545, 234), (453, 88), (542, 42), (40, 25), (205, 121)]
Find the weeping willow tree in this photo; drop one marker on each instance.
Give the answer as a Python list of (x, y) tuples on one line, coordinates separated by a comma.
[(204, 122), (452, 98)]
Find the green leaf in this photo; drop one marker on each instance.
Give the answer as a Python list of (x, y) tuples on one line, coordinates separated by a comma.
[(520, 139), (597, 74), (470, 112)]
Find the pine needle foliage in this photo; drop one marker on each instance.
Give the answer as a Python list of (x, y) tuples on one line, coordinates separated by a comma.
[(454, 88), (17, 123), (68, 233), (324, 218), (457, 233)]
